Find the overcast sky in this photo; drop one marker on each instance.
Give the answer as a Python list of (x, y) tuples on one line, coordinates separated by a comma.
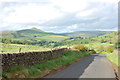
[(59, 15)]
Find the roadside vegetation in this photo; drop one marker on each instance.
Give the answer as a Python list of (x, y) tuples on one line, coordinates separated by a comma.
[(114, 58), (80, 47), (40, 70)]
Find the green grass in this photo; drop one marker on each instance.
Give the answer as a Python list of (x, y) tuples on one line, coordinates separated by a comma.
[(113, 58), (96, 46), (37, 70), (52, 37), (14, 48)]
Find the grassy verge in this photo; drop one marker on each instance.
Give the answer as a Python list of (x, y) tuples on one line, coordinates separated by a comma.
[(114, 58), (40, 69)]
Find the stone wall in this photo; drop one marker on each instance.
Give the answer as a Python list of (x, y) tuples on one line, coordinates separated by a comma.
[(29, 58)]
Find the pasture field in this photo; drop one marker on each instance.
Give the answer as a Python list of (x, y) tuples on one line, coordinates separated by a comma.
[(14, 48), (52, 37)]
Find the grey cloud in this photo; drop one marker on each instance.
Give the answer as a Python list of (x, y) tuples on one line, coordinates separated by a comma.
[(67, 20), (106, 11)]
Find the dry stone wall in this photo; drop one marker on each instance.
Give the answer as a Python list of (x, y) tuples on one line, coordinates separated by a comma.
[(29, 58)]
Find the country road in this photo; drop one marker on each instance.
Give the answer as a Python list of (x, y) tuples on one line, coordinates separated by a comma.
[(94, 66)]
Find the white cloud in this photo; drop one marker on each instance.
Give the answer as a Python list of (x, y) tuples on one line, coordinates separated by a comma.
[(86, 13), (112, 29), (106, 1), (33, 13), (70, 5), (72, 27), (24, 0)]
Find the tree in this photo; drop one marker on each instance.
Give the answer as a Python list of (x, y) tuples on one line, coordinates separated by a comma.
[(100, 49), (80, 47), (117, 45), (109, 49)]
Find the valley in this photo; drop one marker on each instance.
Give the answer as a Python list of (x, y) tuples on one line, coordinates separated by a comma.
[(41, 40)]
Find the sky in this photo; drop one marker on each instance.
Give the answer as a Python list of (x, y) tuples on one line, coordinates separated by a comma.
[(59, 16)]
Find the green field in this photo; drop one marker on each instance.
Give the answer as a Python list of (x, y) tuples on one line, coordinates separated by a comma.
[(37, 40), (52, 37), (14, 48)]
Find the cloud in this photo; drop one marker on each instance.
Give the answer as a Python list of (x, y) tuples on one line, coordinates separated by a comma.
[(70, 5), (58, 15), (33, 13)]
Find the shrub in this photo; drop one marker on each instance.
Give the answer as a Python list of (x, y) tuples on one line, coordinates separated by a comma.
[(109, 49), (92, 52), (100, 49), (117, 45), (80, 47)]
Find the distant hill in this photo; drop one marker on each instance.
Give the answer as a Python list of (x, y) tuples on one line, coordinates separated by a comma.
[(86, 33), (35, 35), (110, 37)]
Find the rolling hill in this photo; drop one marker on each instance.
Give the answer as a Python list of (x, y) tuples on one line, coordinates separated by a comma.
[(86, 33), (110, 38), (44, 39), (35, 36), (38, 34)]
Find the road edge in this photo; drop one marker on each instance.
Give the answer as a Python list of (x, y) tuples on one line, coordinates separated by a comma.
[(115, 67)]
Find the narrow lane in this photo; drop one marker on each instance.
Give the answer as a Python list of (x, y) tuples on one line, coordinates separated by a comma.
[(94, 66)]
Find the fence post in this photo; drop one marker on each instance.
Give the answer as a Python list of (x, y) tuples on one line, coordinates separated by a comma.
[(20, 50)]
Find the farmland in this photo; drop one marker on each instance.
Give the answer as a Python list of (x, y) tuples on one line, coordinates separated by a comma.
[(15, 48), (37, 40)]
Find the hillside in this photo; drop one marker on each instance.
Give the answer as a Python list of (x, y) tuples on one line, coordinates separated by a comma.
[(44, 39), (38, 34), (35, 36), (32, 34), (110, 38), (86, 33)]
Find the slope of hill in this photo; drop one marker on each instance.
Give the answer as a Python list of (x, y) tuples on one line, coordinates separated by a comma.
[(31, 37), (37, 36), (86, 33), (44, 39), (24, 32), (110, 37)]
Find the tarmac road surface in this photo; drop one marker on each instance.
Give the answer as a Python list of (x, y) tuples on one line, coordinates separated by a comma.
[(93, 66)]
